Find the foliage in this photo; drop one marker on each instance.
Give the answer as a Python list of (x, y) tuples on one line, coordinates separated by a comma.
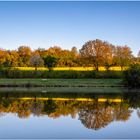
[(97, 53), (122, 56), (94, 53), (36, 61), (132, 76), (25, 54), (50, 61), (92, 114), (50, 106)]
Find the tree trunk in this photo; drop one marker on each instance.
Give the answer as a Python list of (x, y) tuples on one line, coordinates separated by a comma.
[(35, 68), (96, 67)]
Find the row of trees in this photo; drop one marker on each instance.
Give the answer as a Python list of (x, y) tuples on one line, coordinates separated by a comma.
[(93, 53), (25, 57)]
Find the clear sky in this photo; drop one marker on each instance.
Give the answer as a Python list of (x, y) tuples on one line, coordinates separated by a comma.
[(68, 24)]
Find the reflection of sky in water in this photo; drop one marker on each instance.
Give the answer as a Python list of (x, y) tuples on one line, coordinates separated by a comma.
[(11, 126)]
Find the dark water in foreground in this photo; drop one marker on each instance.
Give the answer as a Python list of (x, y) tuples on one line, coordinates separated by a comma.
[(34, 114)]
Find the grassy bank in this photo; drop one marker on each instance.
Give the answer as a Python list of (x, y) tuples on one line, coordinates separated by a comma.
[(61, 83), (71, 74)]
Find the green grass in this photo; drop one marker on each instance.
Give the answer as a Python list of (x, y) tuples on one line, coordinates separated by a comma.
[(8, 73), (62, 82)]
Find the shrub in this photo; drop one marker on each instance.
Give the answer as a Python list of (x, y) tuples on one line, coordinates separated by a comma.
[(132, 76)]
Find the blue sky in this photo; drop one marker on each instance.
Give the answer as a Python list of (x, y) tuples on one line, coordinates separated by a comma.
[(68, 24)]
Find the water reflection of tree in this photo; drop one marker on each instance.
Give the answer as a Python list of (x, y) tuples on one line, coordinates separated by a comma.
[(122, 112), (101, 115), (37, 107), (22, 109), (138, 112), (49, 106), (96, 117), (64, 108), (133, 99), (93, 114)]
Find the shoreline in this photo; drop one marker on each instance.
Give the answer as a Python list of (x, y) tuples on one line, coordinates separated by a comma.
[(61, 83)]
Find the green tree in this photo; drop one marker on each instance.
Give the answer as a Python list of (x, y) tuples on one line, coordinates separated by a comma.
[(50, 61), (50, 106), (132, 76)]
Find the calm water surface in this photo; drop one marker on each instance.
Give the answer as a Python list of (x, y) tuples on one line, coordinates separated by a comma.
[(65, 115)]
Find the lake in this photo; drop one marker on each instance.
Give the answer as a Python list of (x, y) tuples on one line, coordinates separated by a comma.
[(69, 113)]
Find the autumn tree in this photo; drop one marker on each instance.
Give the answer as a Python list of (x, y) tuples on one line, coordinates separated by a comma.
[(122, 56), (14, 58), (97, 53), (54, 51), (2, 57), (67, 58), (25, 54), (64, 57), (108, 55)]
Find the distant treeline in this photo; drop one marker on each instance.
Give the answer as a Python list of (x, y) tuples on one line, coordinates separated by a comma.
[(93, 53)]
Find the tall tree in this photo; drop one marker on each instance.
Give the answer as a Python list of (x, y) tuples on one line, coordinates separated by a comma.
[(96, 53)]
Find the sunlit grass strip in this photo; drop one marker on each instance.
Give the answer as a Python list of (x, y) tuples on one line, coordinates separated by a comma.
[(109, 100), (76, 99), (116, 68)]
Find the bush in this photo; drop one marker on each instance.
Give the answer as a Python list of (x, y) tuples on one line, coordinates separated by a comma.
[(132, 76)]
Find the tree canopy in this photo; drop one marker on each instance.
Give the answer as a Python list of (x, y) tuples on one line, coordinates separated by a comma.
[(94, 53)]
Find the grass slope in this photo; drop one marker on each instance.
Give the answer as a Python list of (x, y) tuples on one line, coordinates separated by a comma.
[(61, 83)]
